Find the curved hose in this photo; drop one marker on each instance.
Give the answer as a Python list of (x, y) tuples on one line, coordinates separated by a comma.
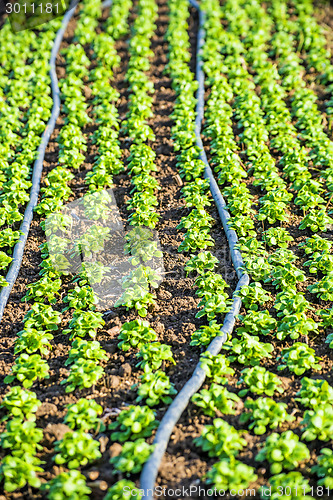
[(38, 165), (170, 419)]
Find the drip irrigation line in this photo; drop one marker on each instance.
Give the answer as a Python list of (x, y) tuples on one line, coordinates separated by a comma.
[(179, 404), (38, 165)]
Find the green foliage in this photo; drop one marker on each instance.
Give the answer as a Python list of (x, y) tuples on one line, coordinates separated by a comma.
[(323, 288), (27, 369), (298, 358), (314, 393), (84, 374), (122, 489), (265, 412), (316, 244), (206, 333), (295, 325), (42, 317), (19, 471), (85, 323), (20, 404), (132, 423), (220, 439), (85, 350), (21, 437), (248, 350), (277, 236), (69, 485), (281, 484), (134, 334), (83, 416), (155, 387), (216, 398), (230, 474), (153, 355), (216, 367), (252, 295), (327, 317), (31, 340), (286, 276), (80, 298), (260, 381), (201, 263), (76, 449), (319, 423), (324, 468), (257, 323), (132, 457), (317, 220), (283, 452), (45, 288)]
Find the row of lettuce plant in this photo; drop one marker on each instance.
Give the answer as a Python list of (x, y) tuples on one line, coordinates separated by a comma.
[(42, 319), (26, 104), (211, 287), (225, 148), (137, 422)]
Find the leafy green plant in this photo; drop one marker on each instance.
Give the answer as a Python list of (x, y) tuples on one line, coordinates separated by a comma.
[(122, 489), (80, 298), (281, 484), (283, 451), (298, 358), (323, 288), (327, 317), (154, 355), (277, 236), (75, 449), (316, 244), (265, 412), (324, 468), (260, 381), (27, 369), (84, 374), (19, 471), (286, 276), (206, 333), (248, 350), (252, 295), (134, 334), (314, 393), (20, 404), (295, 325), (31, 340), (45, 288), (230, 474), (201, 263), (216, 367), (69, 485), (132, 457), (317, 220), (155, 387), (134, 422), (216, 398), (257, 323), (83, 416), (42, 317), (21, 437), (84, 323), (319, 423), (85, 350), (220, 439)]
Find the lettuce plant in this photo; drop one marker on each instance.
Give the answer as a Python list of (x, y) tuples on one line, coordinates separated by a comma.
[(132, 423), (154, 355), (248, 350), (83, 416), (299, 358), (220, 439), (69, 485), (134, 334), (265, 412), (27, 369), (281, 484), (132, 457), (230, 474), (155, 387), (283, 451), (206, 333), (20, 404), (260, 381), (121, 489), (324, 468), (216, 398), (314, 393), (319, 423), (75, 449)]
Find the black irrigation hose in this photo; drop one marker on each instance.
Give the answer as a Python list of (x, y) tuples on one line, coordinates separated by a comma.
[(170, 419), (38, 165)]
